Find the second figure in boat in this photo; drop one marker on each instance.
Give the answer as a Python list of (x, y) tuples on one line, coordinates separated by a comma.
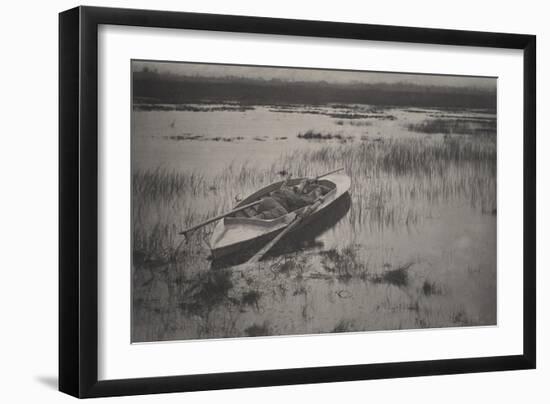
[(286, 199)]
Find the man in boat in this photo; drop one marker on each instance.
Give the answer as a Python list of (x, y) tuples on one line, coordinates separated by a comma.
[(288, 199), (313, 188)]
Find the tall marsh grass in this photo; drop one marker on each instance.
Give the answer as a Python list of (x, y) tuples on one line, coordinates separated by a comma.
[(394, 183)]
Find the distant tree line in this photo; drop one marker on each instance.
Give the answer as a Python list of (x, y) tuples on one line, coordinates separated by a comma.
[(153, 87)]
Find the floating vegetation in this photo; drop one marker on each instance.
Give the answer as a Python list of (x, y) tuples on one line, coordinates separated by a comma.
[(360, 107), (188, 136), (344, 326), (345, 263), (396, 277), (345, 115), (213, 289), (342, 122), (251, 298), (191, 108), (258, 330), (417, 111), (472, 118), (298, 111), (185, 136), (461, 318), (310, 134), (337, 115), (206, 291), (288, 266), (455, 126), (430, 288)]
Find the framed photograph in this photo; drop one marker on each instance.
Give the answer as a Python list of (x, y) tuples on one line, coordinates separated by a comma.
[(251, 201)]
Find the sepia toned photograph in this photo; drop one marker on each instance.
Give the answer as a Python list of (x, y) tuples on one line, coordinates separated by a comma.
[(272, 201)]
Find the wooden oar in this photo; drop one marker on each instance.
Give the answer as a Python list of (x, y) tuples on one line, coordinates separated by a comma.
[(195, 227), (314, 178), (299, 218), (330, 172)]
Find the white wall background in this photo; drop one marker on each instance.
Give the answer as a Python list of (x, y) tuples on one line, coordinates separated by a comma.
[(28, 221)]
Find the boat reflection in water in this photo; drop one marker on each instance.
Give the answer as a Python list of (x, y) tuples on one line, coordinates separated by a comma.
[(303, 239)]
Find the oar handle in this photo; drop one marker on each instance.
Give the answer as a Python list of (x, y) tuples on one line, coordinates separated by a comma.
[(330, 172)]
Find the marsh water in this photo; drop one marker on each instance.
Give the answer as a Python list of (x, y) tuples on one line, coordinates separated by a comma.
[(413, 246)]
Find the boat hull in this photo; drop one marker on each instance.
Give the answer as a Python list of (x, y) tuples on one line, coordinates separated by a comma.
[(232, 236)]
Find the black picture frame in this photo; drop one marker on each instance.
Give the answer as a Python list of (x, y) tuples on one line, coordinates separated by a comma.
[(78, 201)]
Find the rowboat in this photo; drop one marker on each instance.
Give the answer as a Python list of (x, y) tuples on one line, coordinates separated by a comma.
[(234, 234)]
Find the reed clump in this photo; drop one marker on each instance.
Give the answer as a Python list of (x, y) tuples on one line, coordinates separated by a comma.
[(397, 277), (462, 126), (344, 325), (258, 330)]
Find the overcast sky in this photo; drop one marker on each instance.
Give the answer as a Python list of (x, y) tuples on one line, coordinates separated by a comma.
[(294, 74)]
